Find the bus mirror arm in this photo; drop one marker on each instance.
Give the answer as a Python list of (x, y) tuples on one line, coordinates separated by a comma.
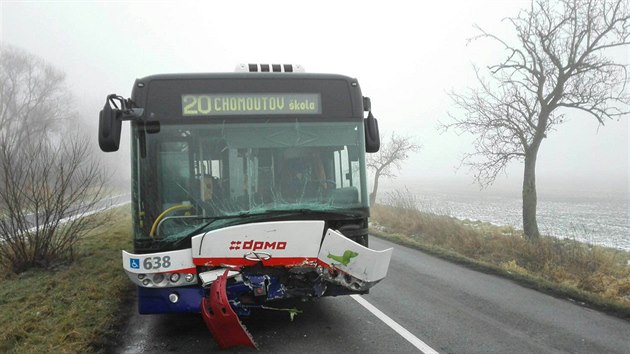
[(372, 137), (132, 114)]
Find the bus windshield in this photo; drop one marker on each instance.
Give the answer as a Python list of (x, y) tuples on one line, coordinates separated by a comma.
[(195, 172)]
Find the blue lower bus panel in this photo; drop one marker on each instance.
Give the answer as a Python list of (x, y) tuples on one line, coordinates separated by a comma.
[(159, 300)]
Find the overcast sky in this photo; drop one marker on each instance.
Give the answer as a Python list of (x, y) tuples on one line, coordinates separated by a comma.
[(405, 57)]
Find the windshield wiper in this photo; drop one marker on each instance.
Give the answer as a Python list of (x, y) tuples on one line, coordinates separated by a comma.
[(212, 219)]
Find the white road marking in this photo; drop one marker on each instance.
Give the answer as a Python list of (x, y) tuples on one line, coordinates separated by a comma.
[(88, 213), (82, 215), (422, 346)]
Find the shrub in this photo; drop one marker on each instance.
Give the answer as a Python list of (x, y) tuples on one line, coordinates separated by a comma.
[(595, 269)]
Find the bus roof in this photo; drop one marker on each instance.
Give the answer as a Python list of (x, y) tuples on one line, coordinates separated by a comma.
[(162, 94), (246, 75)]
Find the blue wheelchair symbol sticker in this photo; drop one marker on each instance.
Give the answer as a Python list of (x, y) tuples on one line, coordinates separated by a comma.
[(134, 263)]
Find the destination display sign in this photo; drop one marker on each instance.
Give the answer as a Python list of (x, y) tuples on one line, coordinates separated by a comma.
[(250, 104)]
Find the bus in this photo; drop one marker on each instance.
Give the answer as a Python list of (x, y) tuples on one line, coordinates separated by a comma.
[(247, 188)]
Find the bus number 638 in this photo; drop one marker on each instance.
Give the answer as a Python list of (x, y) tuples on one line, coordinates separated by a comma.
[(156, 262)]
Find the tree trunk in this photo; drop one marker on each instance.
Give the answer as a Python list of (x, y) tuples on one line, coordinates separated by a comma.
[(374, 188), (530, 225)]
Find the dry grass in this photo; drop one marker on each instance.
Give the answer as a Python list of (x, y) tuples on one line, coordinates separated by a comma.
[(73, 308), (596, 275)]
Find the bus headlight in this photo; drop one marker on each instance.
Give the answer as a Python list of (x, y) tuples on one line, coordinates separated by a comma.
[(158, 277), (163, 280)]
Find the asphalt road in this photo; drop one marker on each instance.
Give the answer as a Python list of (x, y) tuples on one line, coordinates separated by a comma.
[(447, 307)]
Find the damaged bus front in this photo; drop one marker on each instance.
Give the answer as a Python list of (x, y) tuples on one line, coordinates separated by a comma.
[(246, 188)]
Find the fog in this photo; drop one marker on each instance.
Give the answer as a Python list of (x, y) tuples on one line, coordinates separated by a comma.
[(406, 56)]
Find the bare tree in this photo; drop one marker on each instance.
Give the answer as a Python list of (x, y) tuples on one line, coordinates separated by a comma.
[(49, 182), (388, 160), (33, 100), (558, 62)]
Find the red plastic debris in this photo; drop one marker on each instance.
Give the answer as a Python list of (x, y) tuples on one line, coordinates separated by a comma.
[(222, 321)]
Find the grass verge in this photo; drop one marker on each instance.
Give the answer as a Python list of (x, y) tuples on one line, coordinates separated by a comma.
[(73, 308), (597, 277)]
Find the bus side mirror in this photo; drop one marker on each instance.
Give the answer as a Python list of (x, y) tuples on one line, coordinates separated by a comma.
[(109, 126), (372, 137)]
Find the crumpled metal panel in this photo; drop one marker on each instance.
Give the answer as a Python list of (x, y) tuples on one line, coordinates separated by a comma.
[(221, 320), (342, 254)]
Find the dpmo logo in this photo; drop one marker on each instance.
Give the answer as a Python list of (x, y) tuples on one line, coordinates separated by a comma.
[(257, 245)]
